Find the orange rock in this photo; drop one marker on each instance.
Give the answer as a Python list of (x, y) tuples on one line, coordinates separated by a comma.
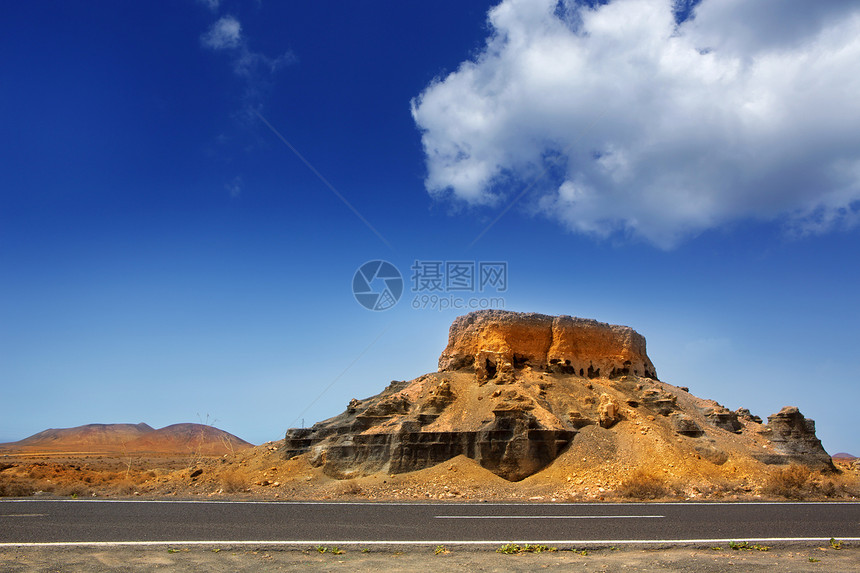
[(493, 341)]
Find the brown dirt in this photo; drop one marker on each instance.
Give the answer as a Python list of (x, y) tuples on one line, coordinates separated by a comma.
[(784, 558), (262, 473)]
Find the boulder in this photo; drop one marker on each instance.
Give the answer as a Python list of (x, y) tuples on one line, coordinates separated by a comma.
[(607, 411)]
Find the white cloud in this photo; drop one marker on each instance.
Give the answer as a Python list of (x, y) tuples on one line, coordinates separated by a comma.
[(234, 187), (211, 4), (654, 129), (256, 68), (224, 34)]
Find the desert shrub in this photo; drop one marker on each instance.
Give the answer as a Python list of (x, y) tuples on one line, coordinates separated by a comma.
[(717, 487), (233, 481), (828, 489), (126, 487), (73, 490), (16, 488), (38, 472), (643, 485), (349, 488), (790, 482)]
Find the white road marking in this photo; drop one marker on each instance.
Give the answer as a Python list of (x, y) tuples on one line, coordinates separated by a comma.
[(23, 515), (454, 542), (546, 516)]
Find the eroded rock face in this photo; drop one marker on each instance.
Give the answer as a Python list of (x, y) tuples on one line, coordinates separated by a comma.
[(512, 392), (494, 342), (794, 440), (389, 433)]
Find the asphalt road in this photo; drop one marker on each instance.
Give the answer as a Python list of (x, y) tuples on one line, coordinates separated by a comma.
[(91, 521)]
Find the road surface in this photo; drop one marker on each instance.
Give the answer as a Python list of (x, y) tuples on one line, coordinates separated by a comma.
[(149, 522)]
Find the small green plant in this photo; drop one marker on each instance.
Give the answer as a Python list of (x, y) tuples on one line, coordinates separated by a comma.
[(366, 550), (814, 560), (441, 550), (835, 544), (216, 550), (583, 552), (337, 551), (171, 550), (716, 548), (321, 549), (513, 548), (745, 546)]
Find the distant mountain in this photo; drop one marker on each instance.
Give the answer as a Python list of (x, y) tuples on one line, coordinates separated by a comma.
[(178, 439), (196, 438), (844, 456), (89, 435)]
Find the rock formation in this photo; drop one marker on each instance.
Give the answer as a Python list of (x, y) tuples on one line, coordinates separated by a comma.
[(495, 342), (514, 390), (793, 438)]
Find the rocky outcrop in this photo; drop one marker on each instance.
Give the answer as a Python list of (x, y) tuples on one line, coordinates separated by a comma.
[(389, 433), (686, 426), (495, 342), (794, 441), (723, 418), (512, 392), (607, 411)]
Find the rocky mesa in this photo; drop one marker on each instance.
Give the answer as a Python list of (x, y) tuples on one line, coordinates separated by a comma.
[(496, 342), (525, 393)]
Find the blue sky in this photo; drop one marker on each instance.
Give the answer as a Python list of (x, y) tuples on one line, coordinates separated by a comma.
[(692, 171)]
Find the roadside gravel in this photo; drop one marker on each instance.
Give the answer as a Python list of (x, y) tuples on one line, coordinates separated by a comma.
[(784, 558)]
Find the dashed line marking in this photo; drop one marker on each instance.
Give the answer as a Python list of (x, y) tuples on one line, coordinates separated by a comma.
[(24, 515), (547, 516)]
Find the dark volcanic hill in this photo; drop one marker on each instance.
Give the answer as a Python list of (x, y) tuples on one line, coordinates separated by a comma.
[(180, 439), (522, 393)]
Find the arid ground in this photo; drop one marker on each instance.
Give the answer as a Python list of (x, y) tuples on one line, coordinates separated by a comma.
[(262, 473)]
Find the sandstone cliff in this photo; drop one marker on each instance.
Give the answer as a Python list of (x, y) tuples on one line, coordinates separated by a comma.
[(517, 392), (498, 341)]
